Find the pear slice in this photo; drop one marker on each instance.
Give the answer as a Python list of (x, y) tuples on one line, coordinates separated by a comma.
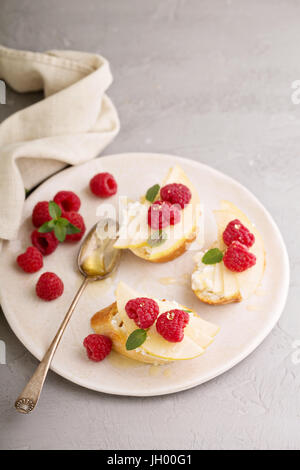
[(135, 232), (231, 286), (218, 283), (198, 333)]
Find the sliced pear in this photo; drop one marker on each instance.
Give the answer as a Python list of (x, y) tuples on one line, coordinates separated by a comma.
[(231, 287), (198, 333), (135, 231), (218, 283), (157, 346)]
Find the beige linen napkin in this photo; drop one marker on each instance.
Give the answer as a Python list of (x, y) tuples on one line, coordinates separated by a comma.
[(74, 122)]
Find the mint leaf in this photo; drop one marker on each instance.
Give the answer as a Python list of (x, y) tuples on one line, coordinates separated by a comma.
[(54, 210), (157, 238), (46, 227), (63, 221), (60, 232), (212, 256), (152, 192), (188, 311), (135, 339), (72, 229)]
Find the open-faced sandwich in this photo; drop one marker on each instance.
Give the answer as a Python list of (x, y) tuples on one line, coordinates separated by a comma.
[(151, 330), (232, 269), (161, 226)]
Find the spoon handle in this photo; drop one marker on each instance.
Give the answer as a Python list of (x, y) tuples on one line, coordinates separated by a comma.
[(28, 399)]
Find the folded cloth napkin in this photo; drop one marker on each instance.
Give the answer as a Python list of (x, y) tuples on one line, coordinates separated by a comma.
[(74, 122)]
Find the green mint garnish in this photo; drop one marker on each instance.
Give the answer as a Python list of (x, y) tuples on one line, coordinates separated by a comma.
[(135, 339), (157, 238), (72, 228), (188, 311), (54, 210), (60, 232), (60, 225), (212, 256), (152, 192)]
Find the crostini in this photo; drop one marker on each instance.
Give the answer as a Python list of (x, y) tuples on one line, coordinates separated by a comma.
[(161, 226), (232, 269), (171, 331)]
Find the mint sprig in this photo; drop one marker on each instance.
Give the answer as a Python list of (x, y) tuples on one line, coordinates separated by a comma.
[(152, 192), (212, 256), (135, 339), (61, 226)]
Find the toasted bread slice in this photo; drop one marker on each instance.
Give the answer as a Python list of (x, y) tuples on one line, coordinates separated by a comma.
[(236, 286), (178, 237), (113, 321)]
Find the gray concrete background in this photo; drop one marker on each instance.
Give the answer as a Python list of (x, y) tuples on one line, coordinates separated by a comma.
[(208, 80)]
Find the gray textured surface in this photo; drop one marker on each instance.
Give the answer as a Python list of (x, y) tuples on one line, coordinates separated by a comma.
[(208, 80)]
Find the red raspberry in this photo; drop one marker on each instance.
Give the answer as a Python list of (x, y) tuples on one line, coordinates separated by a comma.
[(97, 347), (236, 231), (68, 201), (49, 286), (103, 185), (162, 214), (170, 325), (143, 311), (30, 261), (176, 193), (40, 213), (46, 243), (238, 258), (77, 220)]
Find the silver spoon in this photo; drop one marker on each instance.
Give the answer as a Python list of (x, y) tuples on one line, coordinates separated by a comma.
[(97, 259)]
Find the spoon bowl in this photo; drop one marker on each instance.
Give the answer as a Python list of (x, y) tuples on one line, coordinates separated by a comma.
[(97, 257)]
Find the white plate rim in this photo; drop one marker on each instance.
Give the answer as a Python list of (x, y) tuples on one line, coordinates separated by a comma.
[(227, 366)]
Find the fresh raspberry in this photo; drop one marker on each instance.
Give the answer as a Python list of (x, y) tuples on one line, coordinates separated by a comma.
[(76, 219), (238, 258), (49, 286), (176, 193), (163, 213), (170, 325), (97, 347), (30, 261), (40, 213), (237, 232), (103, 185), (46, 243), (68, 201), (143, 311)]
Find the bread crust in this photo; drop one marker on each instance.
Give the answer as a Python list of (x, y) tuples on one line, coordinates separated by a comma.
[(102, 324), (218, 301)]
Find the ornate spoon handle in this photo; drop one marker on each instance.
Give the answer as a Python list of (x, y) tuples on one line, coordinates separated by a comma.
[(28, 399)]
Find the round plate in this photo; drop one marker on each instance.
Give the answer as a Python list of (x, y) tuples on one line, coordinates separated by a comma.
[(243, 325)]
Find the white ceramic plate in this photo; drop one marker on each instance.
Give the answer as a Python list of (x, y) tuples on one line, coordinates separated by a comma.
[(243, 325)]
